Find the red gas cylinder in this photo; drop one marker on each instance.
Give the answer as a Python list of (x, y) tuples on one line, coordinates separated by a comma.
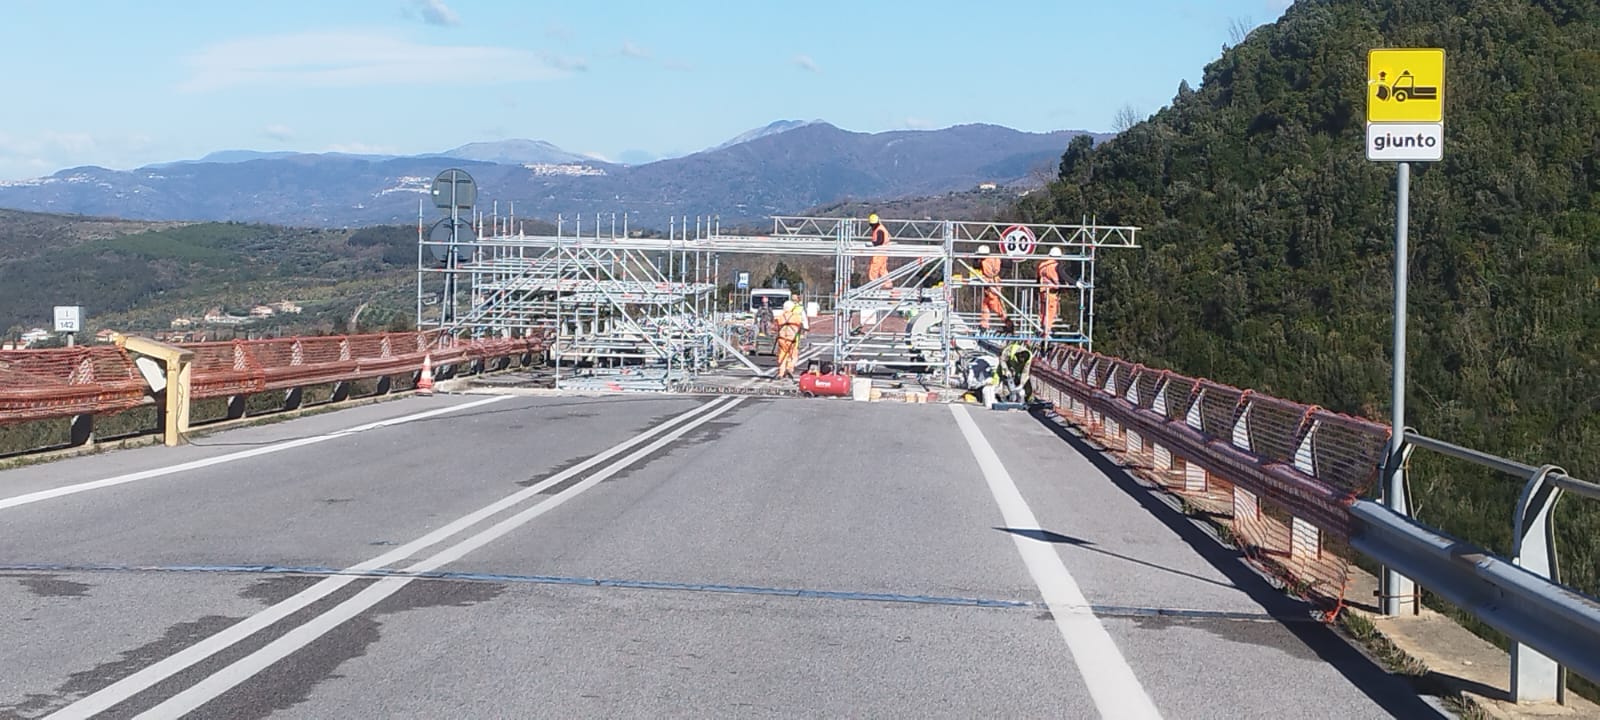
[(818, 384)]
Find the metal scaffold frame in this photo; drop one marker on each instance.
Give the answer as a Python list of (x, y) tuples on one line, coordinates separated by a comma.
[(634, 312)]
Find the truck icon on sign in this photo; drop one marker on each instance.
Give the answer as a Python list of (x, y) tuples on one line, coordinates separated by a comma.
[(1405, 88)]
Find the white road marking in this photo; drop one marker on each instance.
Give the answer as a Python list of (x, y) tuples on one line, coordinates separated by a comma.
[(52, 493), (1115, 689), (250, 665), (148, 677)]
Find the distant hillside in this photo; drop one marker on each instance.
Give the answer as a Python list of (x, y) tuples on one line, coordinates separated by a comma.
[(27, 235), (133, 275), (780, 126), (1268, 246), (770, 173), (977, 205), (515, 152)]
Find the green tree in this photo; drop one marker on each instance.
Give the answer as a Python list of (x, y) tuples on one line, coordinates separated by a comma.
[(1267, 239)]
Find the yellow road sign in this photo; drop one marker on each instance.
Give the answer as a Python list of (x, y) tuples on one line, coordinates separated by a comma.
[(1405, 85)]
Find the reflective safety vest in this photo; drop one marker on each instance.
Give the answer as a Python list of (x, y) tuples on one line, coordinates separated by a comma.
[(1018, 359), (791, 322), (880, 235)]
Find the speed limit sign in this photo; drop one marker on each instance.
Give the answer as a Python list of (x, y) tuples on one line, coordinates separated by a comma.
[(1018, 240)]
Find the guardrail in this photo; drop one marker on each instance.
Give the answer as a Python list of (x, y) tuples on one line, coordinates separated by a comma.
[(82, 382), (1292, 478), (1553, 625)]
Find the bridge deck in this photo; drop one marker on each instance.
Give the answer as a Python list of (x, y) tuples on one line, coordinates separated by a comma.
[(778, 558)]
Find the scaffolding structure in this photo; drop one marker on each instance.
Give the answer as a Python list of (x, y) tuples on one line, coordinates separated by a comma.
[(632, 312)]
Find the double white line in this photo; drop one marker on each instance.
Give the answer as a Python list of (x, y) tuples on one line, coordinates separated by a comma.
[(248, 666)]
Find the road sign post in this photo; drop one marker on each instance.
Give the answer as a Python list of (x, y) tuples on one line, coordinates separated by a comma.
[(69, 320), (1405, 124)]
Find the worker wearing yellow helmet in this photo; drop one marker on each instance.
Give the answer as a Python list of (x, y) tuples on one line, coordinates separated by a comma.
[(878, 266)]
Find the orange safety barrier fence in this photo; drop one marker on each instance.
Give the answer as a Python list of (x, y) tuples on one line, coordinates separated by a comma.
[(1281, 474), (62, 382), (43, 384)]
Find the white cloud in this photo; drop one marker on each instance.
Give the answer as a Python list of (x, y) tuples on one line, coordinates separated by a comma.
[(74, 143), (634, 51), (355, 59), (278, 132), (806, 63), (916, 123), (565, 64), (435, 12), (45, 152)]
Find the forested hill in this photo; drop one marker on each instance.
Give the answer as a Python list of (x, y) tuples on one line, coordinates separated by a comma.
[(1269, 238)]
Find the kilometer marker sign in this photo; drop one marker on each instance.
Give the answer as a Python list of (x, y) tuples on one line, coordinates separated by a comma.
[(1405, 105)]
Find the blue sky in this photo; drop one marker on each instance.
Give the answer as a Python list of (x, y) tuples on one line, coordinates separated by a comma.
[(122, 84)]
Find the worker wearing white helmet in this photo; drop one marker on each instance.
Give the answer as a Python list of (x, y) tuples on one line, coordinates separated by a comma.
[(989, 270), (1049, 284), (792, 322)]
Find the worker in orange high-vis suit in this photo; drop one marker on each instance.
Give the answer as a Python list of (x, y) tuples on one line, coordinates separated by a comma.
[(989, 271), (1049, 284), (792, 322), (878, 266)]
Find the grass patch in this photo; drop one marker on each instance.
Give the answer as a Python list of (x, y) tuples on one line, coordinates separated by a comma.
[(1387, 654), (25, 437)]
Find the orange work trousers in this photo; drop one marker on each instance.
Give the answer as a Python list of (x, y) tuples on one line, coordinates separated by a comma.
[(788, 348), (1052, 308), (991, 303), (878, 267)]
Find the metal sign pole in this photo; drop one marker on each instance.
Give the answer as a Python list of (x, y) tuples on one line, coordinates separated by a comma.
[(1399, 590)]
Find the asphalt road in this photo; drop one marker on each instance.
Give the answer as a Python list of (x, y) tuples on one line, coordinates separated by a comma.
[(640, 556)]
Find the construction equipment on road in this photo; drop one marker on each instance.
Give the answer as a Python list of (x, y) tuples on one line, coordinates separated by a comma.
[(643, 312)]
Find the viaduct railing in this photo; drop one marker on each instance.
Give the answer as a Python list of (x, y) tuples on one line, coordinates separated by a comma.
[(1291, 480), (83, 382)]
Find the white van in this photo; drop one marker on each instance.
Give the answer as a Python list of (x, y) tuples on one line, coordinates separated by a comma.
[(775, 298)]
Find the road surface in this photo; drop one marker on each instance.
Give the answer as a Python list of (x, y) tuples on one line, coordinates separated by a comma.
[(640, 556)]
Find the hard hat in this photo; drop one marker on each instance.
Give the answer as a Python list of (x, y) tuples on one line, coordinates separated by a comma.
[(983, 249), (872, 219), (1055, 252)]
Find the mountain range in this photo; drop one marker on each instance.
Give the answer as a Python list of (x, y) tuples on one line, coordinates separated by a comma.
[(781, 168)]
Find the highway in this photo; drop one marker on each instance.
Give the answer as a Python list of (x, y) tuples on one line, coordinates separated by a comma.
[(641, 556)]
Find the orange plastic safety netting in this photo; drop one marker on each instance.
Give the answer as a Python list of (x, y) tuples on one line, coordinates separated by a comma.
[(246, 366), (40, 384), (1279, 475)]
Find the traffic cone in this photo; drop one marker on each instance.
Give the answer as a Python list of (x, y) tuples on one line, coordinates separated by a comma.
[(425, 381)]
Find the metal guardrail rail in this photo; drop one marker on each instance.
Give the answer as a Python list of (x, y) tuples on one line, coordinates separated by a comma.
[(1280, 453), (1553, 626)]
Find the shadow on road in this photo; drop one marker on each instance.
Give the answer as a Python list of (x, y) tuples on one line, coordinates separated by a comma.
[(1058, 538), (1392, 692)]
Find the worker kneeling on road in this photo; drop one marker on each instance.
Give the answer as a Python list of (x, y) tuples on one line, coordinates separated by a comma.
[(792, 323), (1016, 367)]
